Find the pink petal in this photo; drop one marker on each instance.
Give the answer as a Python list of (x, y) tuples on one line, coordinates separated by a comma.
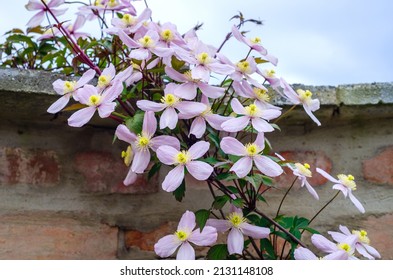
[(186, 90), (338, 255), (210, 91), (147, 105), (173, 74), (323, 244), (267, 166), (363, 251), (124, 134), (269, 114), (149, 123), (236, 33), (254, 231), (36, 19), (58, 86), (260, 141), (237, 107), (162, 52), (86, 77), (344, 230), (356, 202), (198, 127), (216, 121), (59, 104), (207, 237), (81, 117), (83, 94), (109, 71), (199, 149), (166, 154), (220, 225), (372, 251), (342, 188), (201, 72), (304, 254), (140, 54), (166, 246), (186, 252), (261, 125), (232, 146), (187, 221), (158, 141), (127, 40), (199, 170), (173, 179), (105, 109), (242, 167), (168, 118), (327, 176), (141, 161), (190, 108), (130, 178), (33, 6), (311, 190), (220, 68), (311, 115), (235, 242), (235, 124)]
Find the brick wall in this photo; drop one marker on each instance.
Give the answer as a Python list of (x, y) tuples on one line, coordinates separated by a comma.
[(61, 191)]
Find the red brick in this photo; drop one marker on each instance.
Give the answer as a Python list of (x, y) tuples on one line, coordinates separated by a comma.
[(379, 169), (314, 159), (380, 231), (29, 166), (105, 173), (46, 236)]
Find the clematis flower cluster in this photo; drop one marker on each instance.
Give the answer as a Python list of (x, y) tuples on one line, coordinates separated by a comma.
[(184, 108)]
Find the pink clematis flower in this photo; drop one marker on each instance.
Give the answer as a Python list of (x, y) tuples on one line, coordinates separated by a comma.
[(184, 235), (250, 153), (78, 24), (362, 242), (143, 142), (128, 23), (302, 172), (144, 46), (306, 254), (68, 90), (188, 87), (346, 184), (301, 97), (103, 103), (37, 5), (198, 126), (342, 250), (184, 159), (258, 94), (238, 227), (252, 113), (169, 103)]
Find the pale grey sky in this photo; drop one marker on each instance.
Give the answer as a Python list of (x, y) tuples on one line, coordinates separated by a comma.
[(325, 42)]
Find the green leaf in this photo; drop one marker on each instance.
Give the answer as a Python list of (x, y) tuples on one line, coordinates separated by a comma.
[(238, 202), (201, 217), (218, 252), (220, 201), (210, 160), (267, 247), (180, 192), (135, 122), (311, 230), (153, 170), (213, 137)]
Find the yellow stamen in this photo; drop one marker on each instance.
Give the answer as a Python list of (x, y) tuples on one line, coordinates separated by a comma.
[(170, 99), (270, 73), (236, 219), (207, 112), (305, 96), (362, 235), (113, 3), (252, 149), (143, 142), (167, 35), (182, 235), (256, 40), (303, 169), (128, 20), (203, 58), (94, 100), (127, 155), (244, 67), (261, 94), (344, 246), (146, 41), (69, 86), (348, 181), (252, 110), (103, 81), (182, 157)]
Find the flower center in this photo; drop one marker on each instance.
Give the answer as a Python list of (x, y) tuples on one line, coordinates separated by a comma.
[(362, 235), (252, 149), (69, 86), (97, 3), (270, 73), (182, 157), (113, 3), (255, 40), (252, 110), (303, 169), (344, 246), (182, 235), (305, 96), (128, 20), (203, 58), (208, 111), (94, 100), (261, 94), (244, 67), (143, 142), (127, 155), (170, 99), (103, 81), (167, 35), (146, 41), (236, 219), (348, 181)]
